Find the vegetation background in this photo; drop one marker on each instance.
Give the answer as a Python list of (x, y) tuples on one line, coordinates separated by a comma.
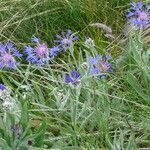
[(20, 19), (111, 114)]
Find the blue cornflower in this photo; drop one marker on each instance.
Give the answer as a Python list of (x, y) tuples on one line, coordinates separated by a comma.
[(139, 14), (40, 54), (54, 51), (2, 87), (65, 41), (99, 65), (73, 77), (7, 55)]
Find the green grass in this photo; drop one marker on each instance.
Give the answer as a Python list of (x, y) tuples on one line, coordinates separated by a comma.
[(100, 114), (48, 17)]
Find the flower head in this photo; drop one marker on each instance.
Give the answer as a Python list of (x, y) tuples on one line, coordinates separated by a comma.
[(139, 14), (2, 87), (30, 142), (17, 130), (65, 41), (73, 77), (7, 55), (40, 54), (99, 65), (54, 51)]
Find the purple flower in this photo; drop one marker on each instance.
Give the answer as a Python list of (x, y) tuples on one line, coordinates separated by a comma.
[(65, 41), (7, 55), (17, 130), (73, 77), (40, 54), (35, 39), (139, 14), (54, 51), (30, 142), (99, 65), (2, 87)]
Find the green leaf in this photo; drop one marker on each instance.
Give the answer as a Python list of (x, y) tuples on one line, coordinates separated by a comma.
[(39, 136), (8, 134), (71, 148), (131, 144), (39, 95), (4, 145), (24, 116), (133, 81)]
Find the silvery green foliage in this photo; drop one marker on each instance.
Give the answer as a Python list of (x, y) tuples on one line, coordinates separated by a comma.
[(5, 93), (89, 43), (18, 134), (129, 29), (136, 58), (61, 98), (26, 91), (133, 31), (9, 104), (119, 142)]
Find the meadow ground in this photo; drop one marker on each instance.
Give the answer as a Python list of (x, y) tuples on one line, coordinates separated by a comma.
[(80, 100)]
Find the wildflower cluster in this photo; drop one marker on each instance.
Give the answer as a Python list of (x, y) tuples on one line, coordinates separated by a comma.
[(73, 77), (65, 41), (72, 105), (99, 64), (39, 54), (7, 55), (139, 14)]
